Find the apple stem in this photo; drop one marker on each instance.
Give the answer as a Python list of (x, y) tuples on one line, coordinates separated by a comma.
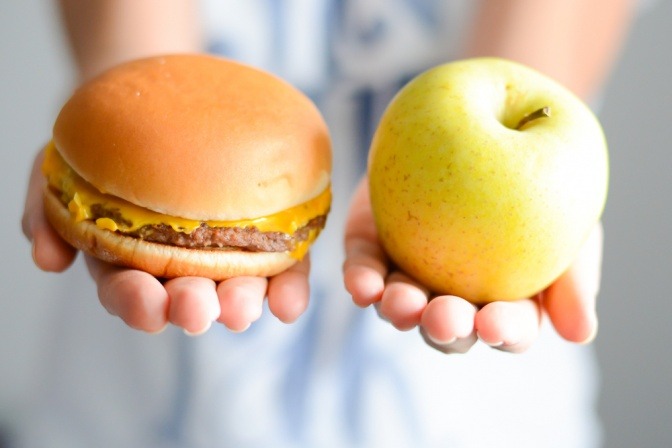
[(539, 113)]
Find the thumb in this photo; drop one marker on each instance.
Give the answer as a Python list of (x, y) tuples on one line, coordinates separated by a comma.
[(32, 209), (50, 252), (570, 301)]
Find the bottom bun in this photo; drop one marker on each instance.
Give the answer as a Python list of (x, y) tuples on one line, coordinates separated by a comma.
[(160, 260)]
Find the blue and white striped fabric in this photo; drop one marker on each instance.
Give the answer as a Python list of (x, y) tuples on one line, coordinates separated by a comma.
[(340, 377)]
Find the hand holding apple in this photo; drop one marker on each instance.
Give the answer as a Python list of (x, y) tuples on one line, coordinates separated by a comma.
[(451, 324), (486, 178), (447, 321)]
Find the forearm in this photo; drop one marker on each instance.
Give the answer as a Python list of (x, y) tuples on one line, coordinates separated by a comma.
[(574, 41), (102, 33)]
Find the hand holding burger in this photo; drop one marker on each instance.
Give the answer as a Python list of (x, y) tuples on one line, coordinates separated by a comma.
[(188, 168)]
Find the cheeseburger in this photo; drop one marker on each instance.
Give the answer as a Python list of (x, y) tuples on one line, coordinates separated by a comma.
[(189, 165)]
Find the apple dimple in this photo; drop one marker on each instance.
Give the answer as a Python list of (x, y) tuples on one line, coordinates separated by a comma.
[(520, 109), (544, 112)]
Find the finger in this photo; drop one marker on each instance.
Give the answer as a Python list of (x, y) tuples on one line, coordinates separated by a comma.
[(241, 301), (194, 304), (365, 266), (447, 324), (403, 301), (289, 292), (571, 300), (509, 326), (460, 345), (50, 252), (364, 271), (138, 298)]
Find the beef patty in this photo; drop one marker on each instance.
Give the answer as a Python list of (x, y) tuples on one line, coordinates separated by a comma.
[(206, 237)]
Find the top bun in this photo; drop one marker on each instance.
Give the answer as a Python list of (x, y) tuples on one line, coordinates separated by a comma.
[(196, 136)]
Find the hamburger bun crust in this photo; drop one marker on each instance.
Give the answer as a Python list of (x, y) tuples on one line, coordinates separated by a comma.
[(164, 132), (158, 259)]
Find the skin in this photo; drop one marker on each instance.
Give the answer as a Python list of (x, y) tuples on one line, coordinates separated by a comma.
[(550, 36)]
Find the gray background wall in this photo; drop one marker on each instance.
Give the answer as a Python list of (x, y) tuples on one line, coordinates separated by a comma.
[(635, 306)]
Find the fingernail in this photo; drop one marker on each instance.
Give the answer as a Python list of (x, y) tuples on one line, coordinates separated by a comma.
[(27, 227), (494, 344), (197, 333), (241, 330), (34, 251), (160, 330), (592, 335), (440, 342)]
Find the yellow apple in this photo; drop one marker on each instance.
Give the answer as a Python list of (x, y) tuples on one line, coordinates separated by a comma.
[(486, 177)]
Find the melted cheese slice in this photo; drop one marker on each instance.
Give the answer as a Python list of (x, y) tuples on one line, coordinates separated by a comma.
[(81, 196)]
